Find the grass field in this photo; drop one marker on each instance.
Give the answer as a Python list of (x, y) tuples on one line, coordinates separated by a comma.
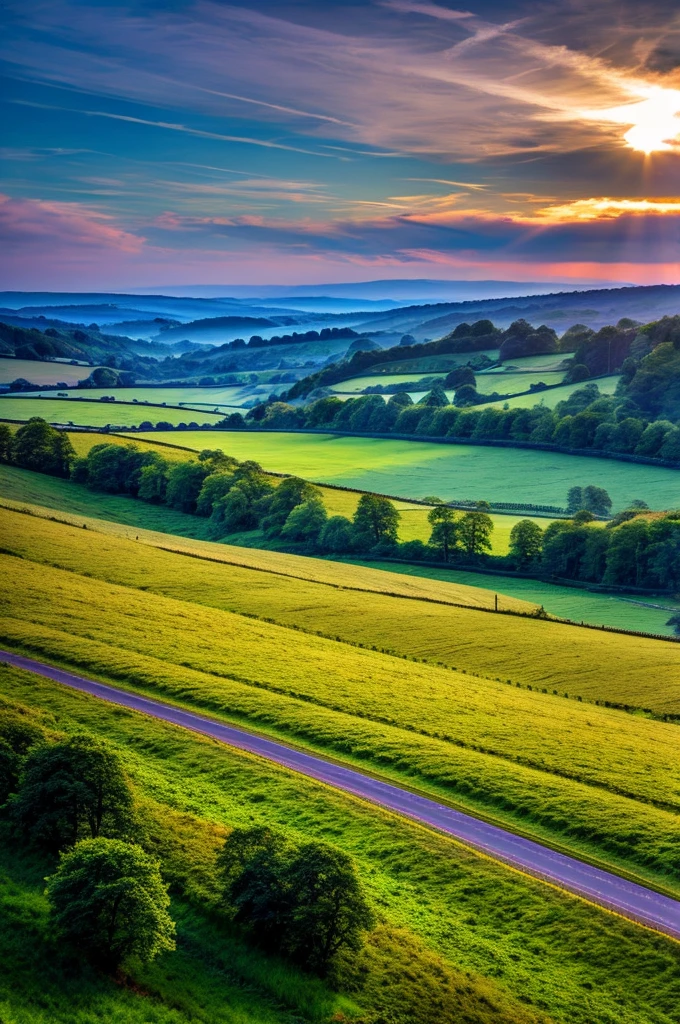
[(232, 397), (611, 791), (460, 939), (644, 614), (84, 413), (550, 398), (41, 372), (414, 469)]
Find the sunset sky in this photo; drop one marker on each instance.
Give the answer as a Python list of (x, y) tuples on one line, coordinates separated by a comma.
[(160, 143)]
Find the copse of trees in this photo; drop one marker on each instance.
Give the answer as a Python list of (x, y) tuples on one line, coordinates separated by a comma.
[(302, 901), (38, 446)]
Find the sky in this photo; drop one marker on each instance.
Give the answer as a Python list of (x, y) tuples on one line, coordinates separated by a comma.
[(149, 144)]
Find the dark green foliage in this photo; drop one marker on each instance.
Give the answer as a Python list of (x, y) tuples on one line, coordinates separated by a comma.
[(475, 531), (6, 443), (184, 483), (444, 534), (305, 902), (375, 521), (291, 492), (306, 521), (526, 542), (117, 469), (40, 447), (337, 535), (108, 901), (71, 790), (461, 375)]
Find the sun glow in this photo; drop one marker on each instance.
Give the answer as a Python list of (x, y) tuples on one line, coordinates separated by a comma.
[(654, 121)]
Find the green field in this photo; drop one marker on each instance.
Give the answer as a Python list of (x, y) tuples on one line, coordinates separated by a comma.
[(550, 398), (220, 398), (90, 413), (460, 938), (635, 612), (494, 748), (42, 372), (416, 469)]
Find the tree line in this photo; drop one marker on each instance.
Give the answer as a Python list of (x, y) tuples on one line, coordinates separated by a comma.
[(70, 798), (635, 549)]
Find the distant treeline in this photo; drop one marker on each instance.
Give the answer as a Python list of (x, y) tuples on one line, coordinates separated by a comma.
[(635, 549), (642, 418)]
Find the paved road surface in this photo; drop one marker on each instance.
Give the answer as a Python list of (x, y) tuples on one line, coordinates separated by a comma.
[(626, 898)]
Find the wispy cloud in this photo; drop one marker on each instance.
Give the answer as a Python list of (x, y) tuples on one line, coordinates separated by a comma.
[(36, 224)]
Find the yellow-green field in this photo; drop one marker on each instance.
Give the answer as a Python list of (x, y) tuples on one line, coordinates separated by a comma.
[(587, 777), (550, 398), (208, 398), (88, 413)]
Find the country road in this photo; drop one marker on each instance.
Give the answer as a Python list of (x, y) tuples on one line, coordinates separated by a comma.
[(626, 898)]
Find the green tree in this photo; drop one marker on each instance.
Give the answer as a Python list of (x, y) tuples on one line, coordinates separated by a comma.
[(376, 520), (596, 500), (252, 866), (306, 521), (6, 443), (153, 482), (185, 481), (475, 529), (329, 910), (575, 499), (337, 535), (72, 790), (215, 487), (436, 398), (291, 492), (108, 900), (40, 447), (444, 525), (526, 541), (17, 736)]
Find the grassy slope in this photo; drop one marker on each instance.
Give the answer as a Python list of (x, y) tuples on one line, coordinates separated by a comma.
[(611, 791), (206, 397), (640, 613), (86, 413), (411, 469), (550, 398), (42, 372), (449, 915)]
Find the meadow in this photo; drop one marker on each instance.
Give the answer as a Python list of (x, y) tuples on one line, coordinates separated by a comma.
[(610, 792), (412, 469), (209, 398), (550, 398), (640, 613), (42, 372), (92, 413), (460, 938)]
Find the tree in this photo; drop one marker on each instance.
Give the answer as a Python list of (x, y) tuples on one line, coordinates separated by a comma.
[(291, 492), (6, 443), (71, 790), (526, 541), (40, 447), (436, 398), (674, 621), (466, 394), (575, 499), (459, 376), (329, 911), (444, 525), (185, 481), (252, 868), (337, 535), (306, 521), (375, 520), (475, 529), (108, 900), (596, 500), (153, 482)]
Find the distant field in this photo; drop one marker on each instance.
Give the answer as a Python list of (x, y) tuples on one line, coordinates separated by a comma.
[(552, 359), (204, 397), (354, 385), (550, 398), (416, 469), (431, 364), (42, 372), (635, 612), (511, 383), (461, 938), (98, 414)]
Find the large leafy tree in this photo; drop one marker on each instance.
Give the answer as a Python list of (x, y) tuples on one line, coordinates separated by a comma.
[(444, 525), (108, 900), (39, 446), (376, 520), (526, 541), (72, 790), (475, 531)]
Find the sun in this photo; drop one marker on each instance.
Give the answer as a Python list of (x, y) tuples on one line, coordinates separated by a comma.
[(654, 121)]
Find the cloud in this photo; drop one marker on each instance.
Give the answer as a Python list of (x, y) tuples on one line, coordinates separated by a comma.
[(27, 225), (473, 89)]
